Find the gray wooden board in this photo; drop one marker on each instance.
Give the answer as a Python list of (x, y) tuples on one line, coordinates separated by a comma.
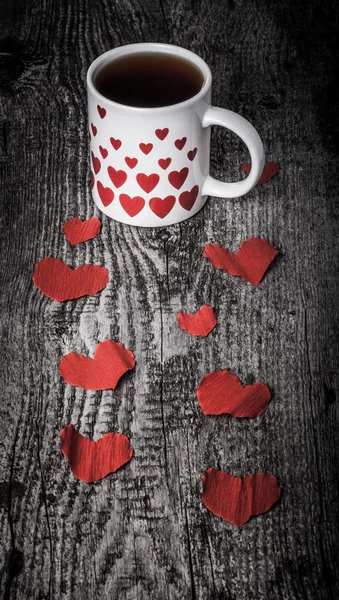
[(143, 532)]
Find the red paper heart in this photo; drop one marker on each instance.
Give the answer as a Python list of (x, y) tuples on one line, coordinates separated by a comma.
[(270, 169), (250, 262), (187, 199), (221, 392), (180, 143), (105, 193), (191, 154), (101, 111), (118, 178), (131, 162), (103, 152), (161, 133), (111, 361), (96, 163), (200, 323), (131, 205), (177, 178), (146, 148), (162, 206), (115, 143), (94, 129), (92, 180), (148, 182), (237, 500), (91, 461), (59, 282), (77, 231), (164, 162)]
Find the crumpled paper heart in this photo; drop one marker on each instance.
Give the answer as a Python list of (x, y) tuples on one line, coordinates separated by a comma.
[(59, 282), (77, 231), (199, 324)]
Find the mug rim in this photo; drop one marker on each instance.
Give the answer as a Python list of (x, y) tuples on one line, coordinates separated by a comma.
[(170, 49)]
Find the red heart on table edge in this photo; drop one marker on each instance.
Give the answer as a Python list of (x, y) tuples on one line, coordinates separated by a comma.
[(131, 162), (58, 281), (200, 323), (146, 148), (180, 143), (164, 162), (77, 231), (237, 500), (161, 133), (118, 178), (103, 152), (192, 153), (111, 361), (131, 205), (162, 206), (148, 182), (105, 193), (90, 461), (270, 169), (177, 178), (221, 392), (96, 163), (250, 262), (94, 129), (115, 143), (101, 111), (92, 180), (187, 199)]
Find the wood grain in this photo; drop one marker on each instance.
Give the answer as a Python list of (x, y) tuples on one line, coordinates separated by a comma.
[(143, 532)]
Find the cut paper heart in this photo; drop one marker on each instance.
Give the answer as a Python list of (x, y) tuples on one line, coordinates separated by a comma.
[(161, 133), (91, 461), (105, 193), (162, 206), (164, 163), (115, 143), (111, 361), (237, 500), (131, 162), (59, 282), (270, 169), (187, 199), (94, 129), (148, 182), (250, 262), (180, 143), (101, 111), (118, 178), (199, 324), (96, 163), (191, 154), (146, 148), (131, 205), (77, 231), (178, 178), (103, 152), (221, 392)]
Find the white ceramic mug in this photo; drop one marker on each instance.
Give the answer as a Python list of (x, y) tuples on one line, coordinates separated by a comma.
[(150, 166)]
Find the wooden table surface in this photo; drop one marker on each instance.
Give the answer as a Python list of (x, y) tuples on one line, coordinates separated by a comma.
[(144, 533)]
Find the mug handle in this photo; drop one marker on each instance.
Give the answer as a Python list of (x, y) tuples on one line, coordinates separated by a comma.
[(242, 128)]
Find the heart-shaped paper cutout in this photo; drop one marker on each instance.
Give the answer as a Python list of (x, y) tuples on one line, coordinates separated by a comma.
[(92, 180), (164, 163), (178, 178), (96, 163), (77, 231), (191, 154), (180, 143), (162, 206), (146, 148), (59, 282), (131, 162), (270, 169), (111, 361), (221, 392), (94, 129), (101, 111), (187, 199), (161, 133), (91, 461), (148, 182), (237, 500), (103, 152), (131, 205), (105, 193), (115, 143), (118, 178), (200, 323), (250, 262)]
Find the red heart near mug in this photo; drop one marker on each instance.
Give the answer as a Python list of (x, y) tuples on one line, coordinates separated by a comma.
[(150, 114)]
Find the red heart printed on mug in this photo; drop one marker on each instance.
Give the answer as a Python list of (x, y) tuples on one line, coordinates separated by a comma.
[(131, 162), (187, 199), (164, 163), (161, 133), (180, 143), (178, 178), (101, 111), (148, 182), (94, 129), (131, 205), (146, 148), (105, 193), (103, 152), (191, 154), (96, 163), (162, 206), (118, 178), (115, 143)]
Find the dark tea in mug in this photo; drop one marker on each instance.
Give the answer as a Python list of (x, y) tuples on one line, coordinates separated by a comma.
[(149, 80)]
